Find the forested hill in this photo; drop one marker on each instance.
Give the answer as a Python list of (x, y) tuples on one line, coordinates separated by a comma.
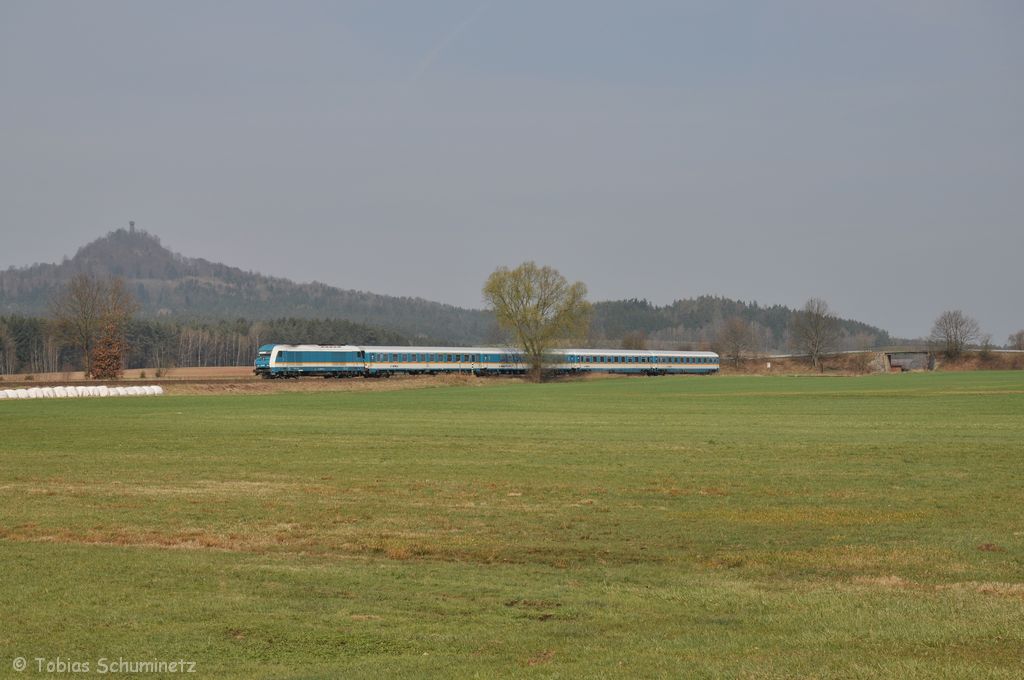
[(695, 322), (171, 286), (175, 288)]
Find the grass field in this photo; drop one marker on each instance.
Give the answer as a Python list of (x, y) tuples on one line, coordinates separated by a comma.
[(672, 527)]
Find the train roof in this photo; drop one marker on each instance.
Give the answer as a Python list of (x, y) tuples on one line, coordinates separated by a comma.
[(306, 348), (487, 350), (438, 350), (640, 352)]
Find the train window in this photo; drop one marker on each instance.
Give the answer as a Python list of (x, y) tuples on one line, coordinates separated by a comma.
[(449, 357)]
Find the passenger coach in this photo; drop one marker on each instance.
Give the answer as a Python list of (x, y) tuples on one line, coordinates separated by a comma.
[(340, 361)]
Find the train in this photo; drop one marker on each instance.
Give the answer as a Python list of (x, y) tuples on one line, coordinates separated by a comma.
[(346, 361)]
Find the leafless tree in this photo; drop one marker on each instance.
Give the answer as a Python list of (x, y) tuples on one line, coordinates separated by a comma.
[(8, 351), (814, 330), (634, 340), (953, 332), (735, 338), (540, 307), (85, 307), (1017, 340)]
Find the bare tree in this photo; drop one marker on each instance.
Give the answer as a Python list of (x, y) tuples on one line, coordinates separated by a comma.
[(77, 313), (953, 331), (735, 338), (1017, 340), (8, 351), (85, 307), (540, 307), (814, 330), (634, 340)]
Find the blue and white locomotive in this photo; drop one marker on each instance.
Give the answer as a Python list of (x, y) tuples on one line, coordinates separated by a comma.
[(341, 361)]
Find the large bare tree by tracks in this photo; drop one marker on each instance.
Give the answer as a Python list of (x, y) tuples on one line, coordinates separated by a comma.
[(814, 330), (735, 338), (1017, 340), (540, 307), (953, 332), (90, 310)]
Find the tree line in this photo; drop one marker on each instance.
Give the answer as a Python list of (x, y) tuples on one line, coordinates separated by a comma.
[(541, 310), (91, 328), (815, 331)]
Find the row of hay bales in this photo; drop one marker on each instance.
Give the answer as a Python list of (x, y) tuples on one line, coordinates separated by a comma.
[(82, 391)]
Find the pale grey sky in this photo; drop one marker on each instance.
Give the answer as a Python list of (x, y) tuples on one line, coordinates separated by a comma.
[(870, 153)]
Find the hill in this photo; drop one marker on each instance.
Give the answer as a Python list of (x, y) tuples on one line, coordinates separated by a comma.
[(173, 286), (695, 322)]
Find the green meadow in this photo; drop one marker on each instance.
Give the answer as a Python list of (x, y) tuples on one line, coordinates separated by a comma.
[(645, 527)]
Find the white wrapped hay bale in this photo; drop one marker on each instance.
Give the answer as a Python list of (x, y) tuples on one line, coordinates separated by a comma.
[(76, 391)]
